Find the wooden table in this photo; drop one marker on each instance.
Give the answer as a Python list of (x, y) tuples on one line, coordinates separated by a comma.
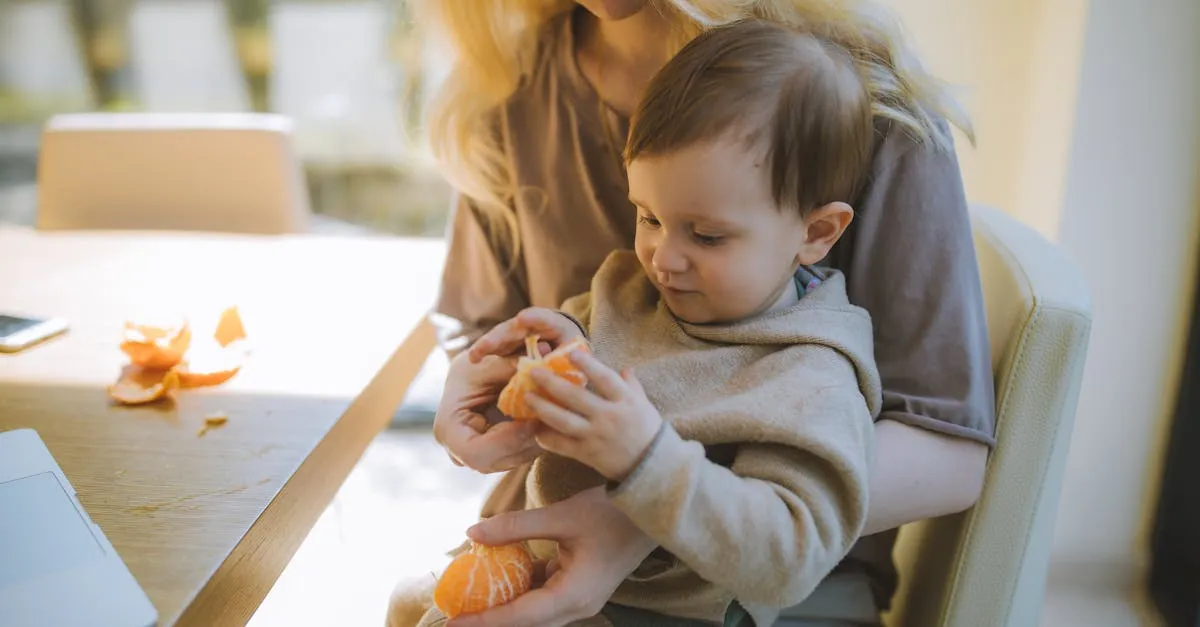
[(206, 524)]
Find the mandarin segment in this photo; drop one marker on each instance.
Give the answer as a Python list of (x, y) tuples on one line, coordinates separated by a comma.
[(512, 398), (484, 577)]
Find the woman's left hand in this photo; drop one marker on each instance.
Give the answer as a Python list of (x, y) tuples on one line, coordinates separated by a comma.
[(462, 426), (608, 429)]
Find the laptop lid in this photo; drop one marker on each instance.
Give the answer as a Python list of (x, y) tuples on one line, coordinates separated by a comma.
[(56, 566)]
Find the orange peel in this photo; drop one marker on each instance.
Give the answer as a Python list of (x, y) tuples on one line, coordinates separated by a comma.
[(229, 327), (138, 386), (212, 421), (512, 398), (210, 363), (163, 357), (156, 347)]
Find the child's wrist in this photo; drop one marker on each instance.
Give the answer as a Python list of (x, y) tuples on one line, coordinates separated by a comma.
[(618, 476)]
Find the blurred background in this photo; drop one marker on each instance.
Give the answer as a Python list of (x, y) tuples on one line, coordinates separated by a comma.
[(348, 72), (1088, 121)]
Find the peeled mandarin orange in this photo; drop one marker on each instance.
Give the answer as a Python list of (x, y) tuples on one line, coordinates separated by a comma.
[(138, 385), (484, 577), (512, 397), (154, 346)]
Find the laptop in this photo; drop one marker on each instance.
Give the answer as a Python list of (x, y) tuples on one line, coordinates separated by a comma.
[(56, 566)]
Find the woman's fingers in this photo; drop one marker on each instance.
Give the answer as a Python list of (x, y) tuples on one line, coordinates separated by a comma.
[(502, 340), (552, 566), (501, 447), (546, 523), (508, 337), (540, 607), (490, 373)]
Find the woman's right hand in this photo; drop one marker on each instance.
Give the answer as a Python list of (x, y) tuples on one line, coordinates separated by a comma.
[(508, 338), (598, 548), (468, 425)]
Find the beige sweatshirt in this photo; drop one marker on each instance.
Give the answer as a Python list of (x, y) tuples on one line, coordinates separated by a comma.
[(757, 486)]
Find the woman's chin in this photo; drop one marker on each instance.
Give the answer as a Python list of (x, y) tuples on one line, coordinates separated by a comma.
[(613, 10)]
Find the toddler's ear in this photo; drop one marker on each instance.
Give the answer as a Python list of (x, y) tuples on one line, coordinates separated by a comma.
[(823, 227)]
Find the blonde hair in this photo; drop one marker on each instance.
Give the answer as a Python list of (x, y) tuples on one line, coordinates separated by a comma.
[(496, 42), (786, 93)]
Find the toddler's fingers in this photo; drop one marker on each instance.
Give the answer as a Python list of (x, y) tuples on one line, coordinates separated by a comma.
[(557, 418)]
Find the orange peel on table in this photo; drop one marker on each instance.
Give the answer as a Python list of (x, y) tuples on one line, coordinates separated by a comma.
[(229, 327), (164, 358), (212, 421), (209, 363), (138, 386), (512, 397), (483, 577), (154, 346)]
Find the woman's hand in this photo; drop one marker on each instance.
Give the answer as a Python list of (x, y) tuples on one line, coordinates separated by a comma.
[(608, 427), (508, 338), (598, 547), (483, 442)]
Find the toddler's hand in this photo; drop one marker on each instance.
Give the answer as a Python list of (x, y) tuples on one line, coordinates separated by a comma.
[(608, 429)]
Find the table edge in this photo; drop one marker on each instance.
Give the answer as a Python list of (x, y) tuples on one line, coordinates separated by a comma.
[(238, 586)]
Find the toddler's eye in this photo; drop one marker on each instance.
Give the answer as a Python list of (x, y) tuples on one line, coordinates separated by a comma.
[(708, 240), (649, 221)]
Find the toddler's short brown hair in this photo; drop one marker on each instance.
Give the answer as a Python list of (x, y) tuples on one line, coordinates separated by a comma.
[(794, 94)]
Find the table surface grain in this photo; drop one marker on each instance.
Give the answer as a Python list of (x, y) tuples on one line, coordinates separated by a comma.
[(206, 524)]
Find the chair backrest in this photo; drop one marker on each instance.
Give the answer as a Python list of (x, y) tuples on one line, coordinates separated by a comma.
[(208, 172), (987, 567)]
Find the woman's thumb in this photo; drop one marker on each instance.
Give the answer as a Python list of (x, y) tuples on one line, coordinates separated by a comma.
[(519, 526)]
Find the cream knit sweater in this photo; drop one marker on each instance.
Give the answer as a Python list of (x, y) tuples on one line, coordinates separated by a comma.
[(757, 486)]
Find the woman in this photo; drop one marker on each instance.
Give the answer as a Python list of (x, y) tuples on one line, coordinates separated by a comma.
[(530, 129)]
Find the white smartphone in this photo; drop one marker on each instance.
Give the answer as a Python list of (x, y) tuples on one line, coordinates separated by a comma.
[(17, 333)]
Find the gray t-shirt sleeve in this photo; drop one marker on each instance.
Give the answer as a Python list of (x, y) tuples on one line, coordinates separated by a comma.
[(909, 260), (481, 285)]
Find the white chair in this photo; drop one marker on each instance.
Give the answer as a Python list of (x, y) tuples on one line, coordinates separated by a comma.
[(210, 172), (987, 567), (40, 59), (183, 57), (331, 73)]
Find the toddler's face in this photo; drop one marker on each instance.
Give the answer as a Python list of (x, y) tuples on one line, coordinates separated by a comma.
[(710, 235)]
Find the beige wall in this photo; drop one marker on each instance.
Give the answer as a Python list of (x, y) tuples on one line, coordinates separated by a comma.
[(1015, 67), (1130, 219), (1088, 117)]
